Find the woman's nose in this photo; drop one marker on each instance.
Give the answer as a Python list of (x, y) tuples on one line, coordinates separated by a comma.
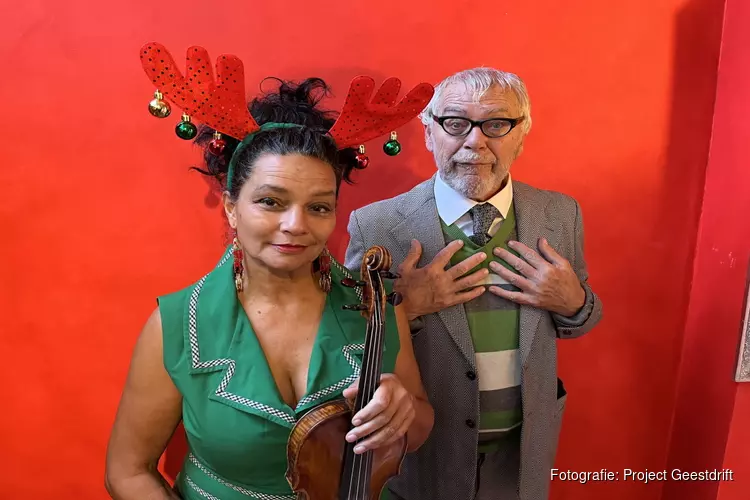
[(294, 221)]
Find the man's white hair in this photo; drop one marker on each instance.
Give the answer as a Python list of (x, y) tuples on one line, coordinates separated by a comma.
[(478, 81)]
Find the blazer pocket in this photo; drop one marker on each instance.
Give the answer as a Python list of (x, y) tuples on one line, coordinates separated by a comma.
[(560, 388), (562, 397), (416, 326)]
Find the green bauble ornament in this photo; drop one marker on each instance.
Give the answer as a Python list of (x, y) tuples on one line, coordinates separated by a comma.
[(185, 129), (392, 147)]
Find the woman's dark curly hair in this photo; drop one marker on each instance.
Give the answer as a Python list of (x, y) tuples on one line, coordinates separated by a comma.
[(290, 103)]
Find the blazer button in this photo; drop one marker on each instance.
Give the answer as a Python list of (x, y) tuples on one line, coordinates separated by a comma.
[(471, 375), (470, 423)]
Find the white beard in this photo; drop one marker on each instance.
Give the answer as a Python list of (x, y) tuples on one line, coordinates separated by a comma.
[(476, 187)]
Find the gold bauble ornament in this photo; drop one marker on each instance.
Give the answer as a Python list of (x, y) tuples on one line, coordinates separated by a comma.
[(159, 107)]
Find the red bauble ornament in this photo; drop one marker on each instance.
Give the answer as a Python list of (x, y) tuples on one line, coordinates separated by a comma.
[(362, 159), (216, 146)]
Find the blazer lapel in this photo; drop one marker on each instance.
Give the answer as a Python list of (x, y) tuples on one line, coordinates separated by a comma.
[(532, 223), (422, 222)]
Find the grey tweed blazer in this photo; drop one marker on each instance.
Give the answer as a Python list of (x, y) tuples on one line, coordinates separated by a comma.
[(444, 468)]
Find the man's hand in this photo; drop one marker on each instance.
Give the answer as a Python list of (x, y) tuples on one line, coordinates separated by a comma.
[(547, 281), (431, 288)]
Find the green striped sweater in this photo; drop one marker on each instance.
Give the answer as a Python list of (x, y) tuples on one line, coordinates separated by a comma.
[(494, 325)]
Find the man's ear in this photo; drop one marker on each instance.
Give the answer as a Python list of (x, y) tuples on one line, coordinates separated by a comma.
[(428, 138)]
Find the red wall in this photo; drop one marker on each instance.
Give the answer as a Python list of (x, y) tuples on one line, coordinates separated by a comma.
[(99, 214), (712, 414), (737, 458)]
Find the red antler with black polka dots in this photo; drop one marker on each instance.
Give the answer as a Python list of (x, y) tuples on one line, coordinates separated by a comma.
[(363, 119), (219, 103)]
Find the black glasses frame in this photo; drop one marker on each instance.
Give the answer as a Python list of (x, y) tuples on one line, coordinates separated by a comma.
[(474, 123)]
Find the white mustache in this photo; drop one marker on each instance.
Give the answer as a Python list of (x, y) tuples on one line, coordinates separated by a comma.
[(472, 158)]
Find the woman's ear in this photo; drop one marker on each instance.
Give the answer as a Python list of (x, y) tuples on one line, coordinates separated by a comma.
[(229, 209)]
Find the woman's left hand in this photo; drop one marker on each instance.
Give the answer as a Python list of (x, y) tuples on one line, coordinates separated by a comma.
[(386, 417)]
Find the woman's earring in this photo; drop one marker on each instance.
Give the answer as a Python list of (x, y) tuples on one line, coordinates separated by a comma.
[(324, 266), (238, 266)]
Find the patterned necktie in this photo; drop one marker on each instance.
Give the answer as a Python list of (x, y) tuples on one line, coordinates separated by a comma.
[(483, 215)]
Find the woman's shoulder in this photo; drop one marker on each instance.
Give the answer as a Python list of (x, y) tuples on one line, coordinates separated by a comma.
[(199, 313), (178, 301)]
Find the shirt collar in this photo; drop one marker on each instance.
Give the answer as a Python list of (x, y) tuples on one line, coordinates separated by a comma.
[(452, 205)]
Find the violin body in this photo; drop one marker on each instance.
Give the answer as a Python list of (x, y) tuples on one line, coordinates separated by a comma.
[(321, 463), (316, 451)]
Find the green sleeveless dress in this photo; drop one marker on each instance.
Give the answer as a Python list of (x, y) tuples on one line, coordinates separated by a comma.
[(237, 424)]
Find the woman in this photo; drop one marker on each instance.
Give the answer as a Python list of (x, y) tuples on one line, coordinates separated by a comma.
[(242, 354)]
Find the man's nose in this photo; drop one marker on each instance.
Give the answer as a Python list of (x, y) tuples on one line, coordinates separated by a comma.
[(475, 139)]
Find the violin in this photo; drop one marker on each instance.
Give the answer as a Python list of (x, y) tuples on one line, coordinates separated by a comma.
[(322, 465)]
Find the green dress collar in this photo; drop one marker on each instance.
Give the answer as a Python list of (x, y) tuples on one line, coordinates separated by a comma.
[(221, 338)]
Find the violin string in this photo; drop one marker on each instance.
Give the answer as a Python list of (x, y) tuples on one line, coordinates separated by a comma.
[(378, 356), (370, 384), (379, 340), (362, 466), (356, 461), (373, 380), (356, 479)]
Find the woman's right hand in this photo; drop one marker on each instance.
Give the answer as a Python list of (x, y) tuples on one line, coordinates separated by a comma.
[(385, 418)]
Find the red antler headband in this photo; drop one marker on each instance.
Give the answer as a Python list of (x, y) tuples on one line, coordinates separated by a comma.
[(220, 102)]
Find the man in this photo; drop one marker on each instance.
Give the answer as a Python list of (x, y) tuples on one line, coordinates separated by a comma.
[(492, 272)]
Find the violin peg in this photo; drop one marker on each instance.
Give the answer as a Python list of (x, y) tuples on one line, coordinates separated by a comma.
[(354, 307), (395, 298), (389, 275), (352, 283)]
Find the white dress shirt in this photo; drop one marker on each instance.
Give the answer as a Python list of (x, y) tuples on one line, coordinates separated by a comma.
[(452, 206)]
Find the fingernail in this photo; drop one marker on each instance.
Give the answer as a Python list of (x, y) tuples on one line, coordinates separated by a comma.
[(483, 255), (359, 449), (356, 421), (351, 437)]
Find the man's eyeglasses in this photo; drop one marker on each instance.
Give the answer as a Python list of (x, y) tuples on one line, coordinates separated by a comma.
[(494, 127)]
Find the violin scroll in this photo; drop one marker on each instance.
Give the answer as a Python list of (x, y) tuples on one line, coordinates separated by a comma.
[(375, 266)]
